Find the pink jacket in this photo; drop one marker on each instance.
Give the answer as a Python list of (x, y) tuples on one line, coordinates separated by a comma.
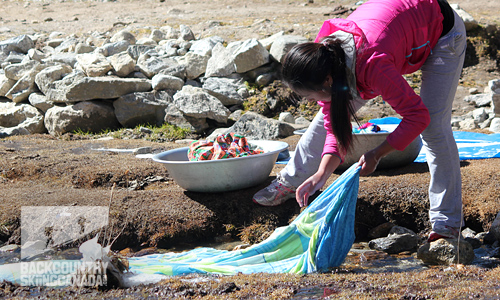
[(393, 37)]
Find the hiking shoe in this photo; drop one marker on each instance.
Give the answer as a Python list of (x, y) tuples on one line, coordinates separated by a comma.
[(278, 192), (443, 232)]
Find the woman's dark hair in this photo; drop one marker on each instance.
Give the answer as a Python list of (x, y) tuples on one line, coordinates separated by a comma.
[(306, 67)]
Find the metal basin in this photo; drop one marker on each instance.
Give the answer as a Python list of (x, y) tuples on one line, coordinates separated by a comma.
[(364, 142), (221, 175)]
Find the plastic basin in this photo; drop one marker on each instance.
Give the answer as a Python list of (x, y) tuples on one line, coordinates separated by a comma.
[(224, 174)]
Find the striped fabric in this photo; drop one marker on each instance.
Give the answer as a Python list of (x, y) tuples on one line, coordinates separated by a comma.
[(317, 240)]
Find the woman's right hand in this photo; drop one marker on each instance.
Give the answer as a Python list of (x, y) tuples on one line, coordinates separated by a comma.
[(308, 188), (329, 163)]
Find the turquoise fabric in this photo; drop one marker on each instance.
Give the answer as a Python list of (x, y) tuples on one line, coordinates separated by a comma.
[(317, 240)]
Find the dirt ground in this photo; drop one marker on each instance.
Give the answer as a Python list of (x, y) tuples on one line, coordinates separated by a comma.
[(148, 209)]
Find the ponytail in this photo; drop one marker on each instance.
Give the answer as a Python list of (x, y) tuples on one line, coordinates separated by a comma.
[(307, 66)]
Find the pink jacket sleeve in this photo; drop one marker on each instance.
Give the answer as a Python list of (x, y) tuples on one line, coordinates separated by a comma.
[(395, 90)]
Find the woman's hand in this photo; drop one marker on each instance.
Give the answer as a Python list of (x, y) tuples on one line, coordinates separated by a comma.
[(309, 187), (369, 161), (329, 163)]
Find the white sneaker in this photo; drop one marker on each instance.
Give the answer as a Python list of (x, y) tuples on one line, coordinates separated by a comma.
[(444, 232), (277, 193)]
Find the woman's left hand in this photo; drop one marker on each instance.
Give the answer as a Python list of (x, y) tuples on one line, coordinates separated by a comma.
[(369, 161)]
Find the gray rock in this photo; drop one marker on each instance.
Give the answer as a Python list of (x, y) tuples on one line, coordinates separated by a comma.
[(152, 65), (495, 227), (122, 63), (68, 45), (5, 84), (204, 46), (479, 115), (175, 117), (63, 58), (40, 101), (493, 87), (93, 64), (142, 108), (81, 48), (18, 70), (480, 100), (79, 88), (110, 49), (224, 89), (395, 243), (250, 54), (135, 51), (221, 63), (186, 33), (495, 125), (164, 82), (177, 71), (283, 44), (21, 90), (195, 64), (92, 116), (286, 117), (20, 43), (146, 41), (16, 119), (446, 252), (302, 121), (257, 127), (170, 32), (47, 76), (401, 230), (197, 103), (267, 42), (157, 35), (123, 35)]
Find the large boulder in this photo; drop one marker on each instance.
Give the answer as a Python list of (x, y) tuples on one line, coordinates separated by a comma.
[(142, 108), (16, 119), (88, 116)]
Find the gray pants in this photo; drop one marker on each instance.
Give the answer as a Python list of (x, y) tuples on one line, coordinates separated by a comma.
[(440, 75)]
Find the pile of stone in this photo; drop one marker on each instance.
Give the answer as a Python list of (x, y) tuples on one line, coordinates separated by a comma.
[(60, 84), (108, 82)]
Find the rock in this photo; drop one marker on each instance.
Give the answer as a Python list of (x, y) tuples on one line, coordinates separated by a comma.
[(77, 88), (81, 48), (170, 32), (204, 46), (62, 58), (123, 35), (302, 121), (93, 64), (283, 44), (479, 115), (146, 41), (495, 227), (493, 87), (21, 90), (468, 124), (122, 63), (480, 100), (257, 127), (197, 103), (20, 43), (445, 252), (401, 230), (16, 119), (5, 84), (185, 33), (111, 49), (495, 125), (142, 108), (286, 117), (177, 71), (135, 51), (224, 89), (267, 42), (395, 243), (265, 79), (195, 64), (175, 117), (221, 63), (152, 65), (249, 54), (157, 35), (40, 101), (92, 116), (164, 82), (18, 70), (47, 76)]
